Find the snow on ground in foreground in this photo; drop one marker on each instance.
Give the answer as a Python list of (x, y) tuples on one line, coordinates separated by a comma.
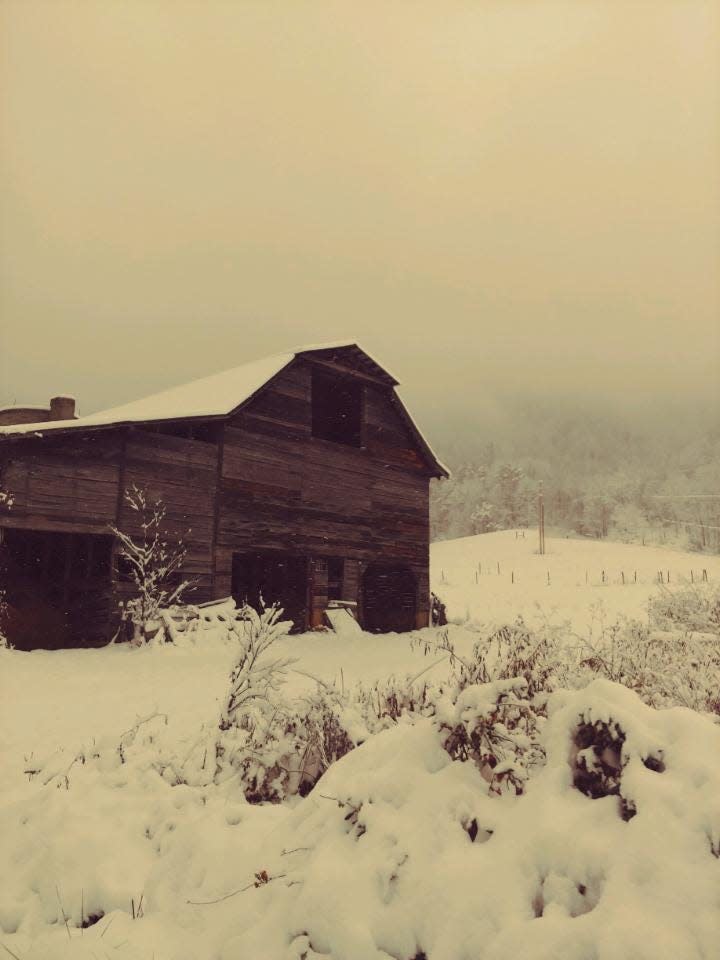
[(550, 876), (64, 698), (398, 850), (494, 596)]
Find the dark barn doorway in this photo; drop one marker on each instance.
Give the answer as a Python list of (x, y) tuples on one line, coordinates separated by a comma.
[(58, 588), (389, 598), (271, 577)]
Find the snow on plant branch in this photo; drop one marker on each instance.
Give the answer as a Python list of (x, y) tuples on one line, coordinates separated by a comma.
[(153, 562)]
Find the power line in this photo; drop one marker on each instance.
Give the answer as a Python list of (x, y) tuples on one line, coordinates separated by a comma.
[(688, 523), (687, 496)]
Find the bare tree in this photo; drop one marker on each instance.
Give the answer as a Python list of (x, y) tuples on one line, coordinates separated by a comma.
[(153, 562)]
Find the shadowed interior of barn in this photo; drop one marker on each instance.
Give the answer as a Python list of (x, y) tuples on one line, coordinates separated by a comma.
[(299, 479)]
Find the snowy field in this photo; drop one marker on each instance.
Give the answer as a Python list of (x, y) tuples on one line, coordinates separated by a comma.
[(399, 852), (498, 576)]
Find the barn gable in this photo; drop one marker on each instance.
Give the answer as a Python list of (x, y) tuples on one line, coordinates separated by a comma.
[(224, 395)]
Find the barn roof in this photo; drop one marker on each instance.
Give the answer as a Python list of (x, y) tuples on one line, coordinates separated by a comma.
[(217, 396)]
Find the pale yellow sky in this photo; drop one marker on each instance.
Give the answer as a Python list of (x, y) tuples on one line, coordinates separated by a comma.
[(485, 193)]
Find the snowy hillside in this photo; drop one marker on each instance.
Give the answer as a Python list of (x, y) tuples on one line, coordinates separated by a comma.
[(496, 576), (401, 850)]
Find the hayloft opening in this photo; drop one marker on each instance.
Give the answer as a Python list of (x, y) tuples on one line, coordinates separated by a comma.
[(337, 409)]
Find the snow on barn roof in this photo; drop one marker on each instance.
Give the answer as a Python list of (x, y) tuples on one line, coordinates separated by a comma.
[(214, 396), (9, 407)]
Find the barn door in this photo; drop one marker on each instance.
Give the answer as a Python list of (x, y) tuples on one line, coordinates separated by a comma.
[(270, 577), (59, 588), (389, 596)]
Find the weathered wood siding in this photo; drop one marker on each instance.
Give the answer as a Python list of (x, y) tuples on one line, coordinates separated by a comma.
[(67, 483), (283, 489), (183, 474), (76, 484)]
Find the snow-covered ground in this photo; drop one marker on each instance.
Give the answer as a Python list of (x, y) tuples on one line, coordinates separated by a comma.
[(377, 862), (497, 576)]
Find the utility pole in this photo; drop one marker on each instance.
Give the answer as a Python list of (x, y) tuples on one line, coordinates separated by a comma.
[(541, 519)]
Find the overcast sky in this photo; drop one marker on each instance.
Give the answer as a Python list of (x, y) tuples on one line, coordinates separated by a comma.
[(509, 196)]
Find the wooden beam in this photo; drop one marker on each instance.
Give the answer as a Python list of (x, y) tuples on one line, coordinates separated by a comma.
[(336, 369), (216, 510), (43, 523)]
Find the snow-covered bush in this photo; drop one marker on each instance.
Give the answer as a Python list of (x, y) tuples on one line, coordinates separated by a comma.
[(383, 703), (489, 712), (664, 669), (250, 740), (255, 678), (152, 562), (514, 650), (277, 747), (694, 607), (612, 745), (400, 853), (496, 726), (438, 611)]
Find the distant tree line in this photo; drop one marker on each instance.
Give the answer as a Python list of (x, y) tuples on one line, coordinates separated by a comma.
[(599, 480)]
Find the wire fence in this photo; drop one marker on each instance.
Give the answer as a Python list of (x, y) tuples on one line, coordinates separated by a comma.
[(602, 577)]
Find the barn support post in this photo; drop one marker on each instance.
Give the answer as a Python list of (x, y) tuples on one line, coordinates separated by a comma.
[(422, 609), (222, 572), (361, 566), (318, 591), (351, 593), (115, 591), (219, 581)]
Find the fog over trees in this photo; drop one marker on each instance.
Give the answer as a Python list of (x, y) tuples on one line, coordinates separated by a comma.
[(645, 471)]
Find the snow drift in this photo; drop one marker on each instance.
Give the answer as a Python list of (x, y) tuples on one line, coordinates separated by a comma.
[(612, 853)]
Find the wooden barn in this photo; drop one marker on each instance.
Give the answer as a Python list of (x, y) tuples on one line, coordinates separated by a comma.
[(300, 477)]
